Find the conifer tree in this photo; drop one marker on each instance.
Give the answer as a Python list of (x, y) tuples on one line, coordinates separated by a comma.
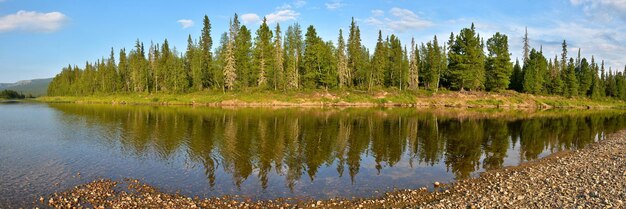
[(517, 78), (526, 52), (263, 53), (206, 43), (379, 62), (279, 68), (466, 61), (413, 66), (243, 54), (499, 68), (342, 62), (124, 72), (571, 80), (293, 51)]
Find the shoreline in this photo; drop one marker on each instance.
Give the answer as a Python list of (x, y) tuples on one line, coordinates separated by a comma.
[(594, 176), (505, 100)]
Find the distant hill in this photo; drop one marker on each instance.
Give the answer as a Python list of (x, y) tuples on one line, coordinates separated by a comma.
[(35, 87)]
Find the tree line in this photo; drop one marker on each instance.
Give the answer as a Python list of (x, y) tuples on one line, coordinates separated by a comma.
[(11, 94), (293, 61)]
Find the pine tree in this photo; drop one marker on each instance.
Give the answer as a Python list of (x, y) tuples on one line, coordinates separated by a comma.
[(193, 59), (526, 46), (596, 84), (499, 68), (342, 62), (263, 53), (230, 75), (293, 51), (124, 71), (571, 80), (517, 78), (379, 62), (279, 68), (311, 59), (354, 53), (585, 77), (413, 66), (466, 60), (243, 54), (206, 43)]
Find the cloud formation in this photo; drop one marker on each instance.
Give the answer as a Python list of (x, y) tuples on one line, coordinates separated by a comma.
[(400, 20), (185, 23), (282, 15), (294, 4), (32, 21), (335, 4), (250, 18), (603, 9)]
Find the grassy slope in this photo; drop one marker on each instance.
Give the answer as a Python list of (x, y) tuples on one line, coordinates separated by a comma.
[(347, 98)]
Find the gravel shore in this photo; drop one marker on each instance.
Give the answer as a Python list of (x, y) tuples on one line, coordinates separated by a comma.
[(593, 177)]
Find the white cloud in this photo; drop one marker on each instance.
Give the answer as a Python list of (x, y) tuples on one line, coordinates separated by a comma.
[(335, 4), (282, 15), (378, 13), (299, 3), (401, 20), (185, 23), (32, 21), (294, 4), (603, 9), (250, 18)]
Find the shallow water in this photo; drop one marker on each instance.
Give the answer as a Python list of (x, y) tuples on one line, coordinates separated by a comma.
[(264, 153)]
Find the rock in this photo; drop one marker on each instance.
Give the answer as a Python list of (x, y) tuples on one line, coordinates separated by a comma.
[(436, 184)]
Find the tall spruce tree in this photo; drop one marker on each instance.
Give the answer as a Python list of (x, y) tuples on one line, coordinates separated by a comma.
[(413, 66), (279, 68), (498, 66), (466, 61), (263, 53), (342, 62), (206, 43)]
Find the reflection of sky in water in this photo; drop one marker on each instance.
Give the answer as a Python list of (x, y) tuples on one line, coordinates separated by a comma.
[(42, 148)]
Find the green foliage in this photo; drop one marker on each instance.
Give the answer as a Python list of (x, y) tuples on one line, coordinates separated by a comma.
[(10, 94), (466, 61), (535, 70), (293, 62), (517, 78), (498, 66)]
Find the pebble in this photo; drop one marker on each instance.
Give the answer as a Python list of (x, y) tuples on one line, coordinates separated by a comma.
[(580, 179)]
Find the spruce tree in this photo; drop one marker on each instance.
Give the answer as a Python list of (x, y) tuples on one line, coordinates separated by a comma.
[(572, 81), (466, 61), (243, 54), (379, 62), (263, 53), (279, 68), (517, 78), (342, 62), (206, 43), (413, 66), (498, 66)]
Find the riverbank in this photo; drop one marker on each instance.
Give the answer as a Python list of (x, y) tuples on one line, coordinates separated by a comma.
[(592, 177), (508, 99)]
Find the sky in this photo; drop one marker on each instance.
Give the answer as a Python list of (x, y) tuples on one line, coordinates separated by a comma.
[(38, 38)]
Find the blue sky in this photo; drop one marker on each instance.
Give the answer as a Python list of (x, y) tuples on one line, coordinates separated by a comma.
[(38, 38)]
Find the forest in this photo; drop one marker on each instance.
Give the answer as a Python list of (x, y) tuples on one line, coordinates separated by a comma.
[(10, 94), (279, 61)]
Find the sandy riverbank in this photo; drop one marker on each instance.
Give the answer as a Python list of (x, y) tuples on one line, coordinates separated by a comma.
[(593, 177)]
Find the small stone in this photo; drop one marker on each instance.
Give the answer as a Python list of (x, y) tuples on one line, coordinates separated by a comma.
[(436, 184)]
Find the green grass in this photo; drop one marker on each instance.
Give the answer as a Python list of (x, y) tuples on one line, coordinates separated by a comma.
[(343, 97)]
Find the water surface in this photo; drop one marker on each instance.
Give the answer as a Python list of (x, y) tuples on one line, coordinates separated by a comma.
[(264, 153)]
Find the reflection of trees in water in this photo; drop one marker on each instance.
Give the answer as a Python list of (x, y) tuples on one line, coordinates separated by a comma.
[(295, 142)]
